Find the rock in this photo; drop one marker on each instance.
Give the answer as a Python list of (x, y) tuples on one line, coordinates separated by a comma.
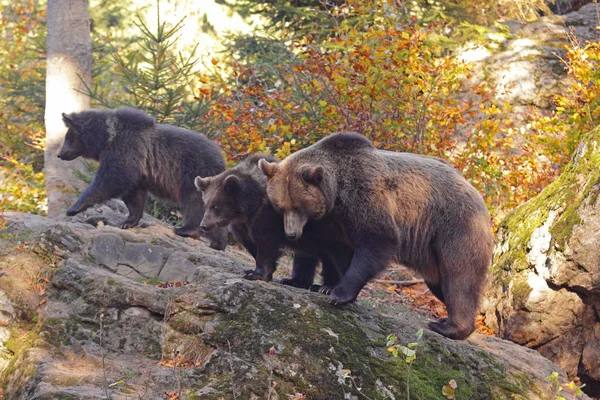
[(145, 259), (106, 250), (522, 64), (222, 337), (546, 274), (177, 268)]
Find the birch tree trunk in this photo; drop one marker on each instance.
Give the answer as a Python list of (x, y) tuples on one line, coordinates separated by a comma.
[(69, 64)]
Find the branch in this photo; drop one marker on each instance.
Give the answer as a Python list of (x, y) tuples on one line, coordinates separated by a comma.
[(400, 283)]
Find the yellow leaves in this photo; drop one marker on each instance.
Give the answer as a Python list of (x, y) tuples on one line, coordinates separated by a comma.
[(284, 151)]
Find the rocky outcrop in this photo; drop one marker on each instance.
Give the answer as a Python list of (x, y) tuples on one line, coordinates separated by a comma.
[(90, 319), (521, 61), (545, 291)]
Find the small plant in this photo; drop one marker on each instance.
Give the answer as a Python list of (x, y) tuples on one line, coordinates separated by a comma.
[(408, 352), (449, 390), (570, 389)]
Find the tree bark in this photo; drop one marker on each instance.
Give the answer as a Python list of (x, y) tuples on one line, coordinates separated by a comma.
[(69, 65), (545, 288)]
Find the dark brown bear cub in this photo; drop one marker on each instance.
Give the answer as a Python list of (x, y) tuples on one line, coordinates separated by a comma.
[(138, 156), (238, 198), (402, 207)]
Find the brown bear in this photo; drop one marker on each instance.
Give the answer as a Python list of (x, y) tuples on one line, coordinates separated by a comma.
[(138, 156), (237, 198), (408, 208)]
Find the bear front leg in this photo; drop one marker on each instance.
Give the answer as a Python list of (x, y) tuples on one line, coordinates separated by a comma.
[(266, 264), (135, 201), (109, 183), (241, 234), (303, 272), (366, 263), (335, 262)]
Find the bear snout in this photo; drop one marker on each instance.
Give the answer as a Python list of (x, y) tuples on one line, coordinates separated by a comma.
[(291, 235)]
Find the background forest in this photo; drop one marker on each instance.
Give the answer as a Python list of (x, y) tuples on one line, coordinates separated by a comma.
[(293, 72)]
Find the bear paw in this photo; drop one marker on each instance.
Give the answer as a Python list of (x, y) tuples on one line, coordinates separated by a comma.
[(292, 282), (255, 275), (340, 296), (187, 232), (451, 331), (72, 211), (127, 224)]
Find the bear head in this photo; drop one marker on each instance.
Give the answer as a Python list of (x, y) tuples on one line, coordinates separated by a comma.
[(297, 191), (93, 132), (88, 134), (73, 146), (223, 203)]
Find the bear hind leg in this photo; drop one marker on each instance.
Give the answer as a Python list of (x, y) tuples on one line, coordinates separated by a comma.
[(135, 201), (463, 268)]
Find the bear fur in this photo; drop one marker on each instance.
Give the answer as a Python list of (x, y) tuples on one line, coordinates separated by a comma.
[(138, 156), (238, 198), (393, 207)]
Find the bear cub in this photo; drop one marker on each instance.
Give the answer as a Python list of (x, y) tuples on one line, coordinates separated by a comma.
[(138, 156), (237, 198)]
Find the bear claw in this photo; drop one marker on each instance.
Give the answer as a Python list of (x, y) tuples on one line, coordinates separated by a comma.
[(127, 224), (340, 296), (254, 275), (323, 289)]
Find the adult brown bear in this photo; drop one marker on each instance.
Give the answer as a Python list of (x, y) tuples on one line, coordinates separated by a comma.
[(138, 156), (401, 207)]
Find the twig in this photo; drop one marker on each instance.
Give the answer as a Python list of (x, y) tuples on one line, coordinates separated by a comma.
[(400, 283), (232, 371), (103, 355), (358, 390)]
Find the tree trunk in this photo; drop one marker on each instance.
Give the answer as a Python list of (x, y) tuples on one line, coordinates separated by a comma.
[(69, 64), (545, 288)]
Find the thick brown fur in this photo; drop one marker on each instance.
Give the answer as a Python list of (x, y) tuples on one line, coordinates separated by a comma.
[(402, 207), (138, 156), (237, 198)]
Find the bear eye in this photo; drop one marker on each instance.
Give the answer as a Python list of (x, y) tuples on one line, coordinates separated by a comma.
[(214, 207)]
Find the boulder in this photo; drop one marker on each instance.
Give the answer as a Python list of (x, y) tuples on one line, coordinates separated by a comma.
[(92, 318)]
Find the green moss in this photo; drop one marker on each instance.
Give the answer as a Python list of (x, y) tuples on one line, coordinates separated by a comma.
[(17, 343), (319, 345), (565, 195), (520, 291)]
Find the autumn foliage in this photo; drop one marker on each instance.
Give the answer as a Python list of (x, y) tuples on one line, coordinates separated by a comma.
[(383, 79), (22, 47), (377, 72)]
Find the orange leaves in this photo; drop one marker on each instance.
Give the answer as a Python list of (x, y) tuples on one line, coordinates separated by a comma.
[(389, 83)]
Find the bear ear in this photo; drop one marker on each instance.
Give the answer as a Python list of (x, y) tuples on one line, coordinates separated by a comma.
[(201, 183), (232, 184), (67, 119), (268, 168), (313, 174)]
